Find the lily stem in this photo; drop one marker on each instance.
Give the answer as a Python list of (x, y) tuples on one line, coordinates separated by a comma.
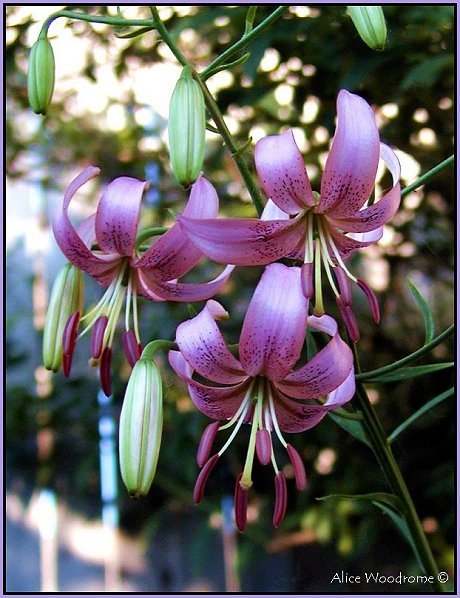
[(425, 177), (387, 462)]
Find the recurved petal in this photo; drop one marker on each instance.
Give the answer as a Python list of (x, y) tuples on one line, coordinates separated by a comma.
[(117, 215), (370, 218), (351, 166), (350, 244), (70, 242), (173, 254), (157, 290), (325, 371), (217, 403), (275, 323), (293, 416), (244, 241), (282, 173), (203, 347)]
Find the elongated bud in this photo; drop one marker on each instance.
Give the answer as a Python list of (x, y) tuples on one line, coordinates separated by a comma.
[(141, 424), (40, 76), (66, 299), (187, 128), (370, 24)]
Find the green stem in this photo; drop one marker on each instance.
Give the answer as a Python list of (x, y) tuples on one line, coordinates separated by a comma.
[(80, 16), (244, 40), (150, 232), (408, 359), (159, 345), (387, 462), (425, 177)]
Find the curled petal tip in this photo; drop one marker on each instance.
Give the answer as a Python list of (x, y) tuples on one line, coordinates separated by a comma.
[(206, 442), (202, 478)]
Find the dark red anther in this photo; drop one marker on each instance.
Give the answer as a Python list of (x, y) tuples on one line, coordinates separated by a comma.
[(299, 469), (69, 338), (131, 348), (104, 371), (264, 446), (306, 279), (374, 305), (349, 320), (241, 505), (206, 441), (97, 336), (280, 499), (344, 285), (202, 478)]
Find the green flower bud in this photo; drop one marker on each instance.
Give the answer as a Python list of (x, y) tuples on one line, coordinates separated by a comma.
[(141, 424), (40, 77), (370, 24), (66, 299), (187, 128)]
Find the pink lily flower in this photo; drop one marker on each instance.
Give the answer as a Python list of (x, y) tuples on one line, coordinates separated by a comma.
[(262, 387), (323, 230), (117, 264)]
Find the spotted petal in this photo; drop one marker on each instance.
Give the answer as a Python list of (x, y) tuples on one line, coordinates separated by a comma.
[(158, 290), (203, 347), (351, 166), (244, 241), (275, 324), (173, 255), (348, 245), (217, 403), (325, 371), (117, 215), (102, 268), (282, 173)]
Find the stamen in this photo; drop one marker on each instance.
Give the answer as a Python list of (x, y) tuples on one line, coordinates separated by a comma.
[(327, 262), (246, 480), (349, 320), (338, 257), (280, 499), (306, 279), (319, 308), (69, 338), (263, 446), (104, 371), (97, 336), (299, 469), (273, 415), (131, 347), (309, 239), (242, 415), (241, 505), (98, 308), (202, 478), (135, 321), (344, 285), (374, 305), (206, 442)]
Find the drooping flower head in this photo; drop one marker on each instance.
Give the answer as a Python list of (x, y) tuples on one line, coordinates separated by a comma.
[(262, 387), (323, 230), (104, 246)]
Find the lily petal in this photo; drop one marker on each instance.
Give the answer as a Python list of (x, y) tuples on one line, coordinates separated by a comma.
[(244, 241), (217, 403), (294, 417), (158, 290), (325, 371), (351, 166), (72, 246), (347, 245), (203, 347), (282, 173), (173, 255), (275, 324)]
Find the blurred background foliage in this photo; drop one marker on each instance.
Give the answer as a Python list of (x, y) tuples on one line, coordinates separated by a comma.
[(110, 109)]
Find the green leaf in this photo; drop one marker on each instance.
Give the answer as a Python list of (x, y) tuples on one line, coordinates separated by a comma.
[(353, 427), (426, 311), (402, 526), (411, 372), (375, 497), (427, 407), (426, 73)]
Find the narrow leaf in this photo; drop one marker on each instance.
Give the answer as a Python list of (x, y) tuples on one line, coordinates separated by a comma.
[(411, 372), (426, 311), (380, 497), (353, 427), (427, 407)]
